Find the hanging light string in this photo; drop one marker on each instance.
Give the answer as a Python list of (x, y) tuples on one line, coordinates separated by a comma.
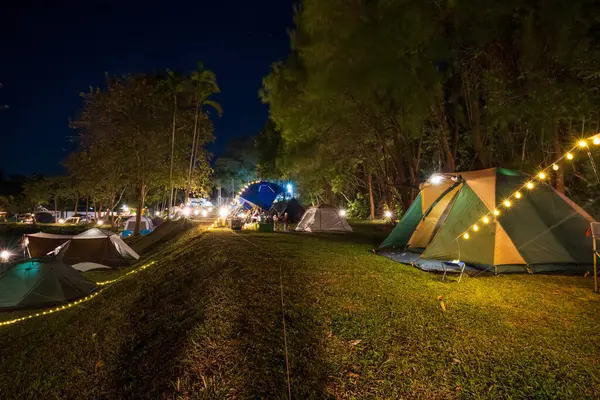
[(540, 178), (66, 306), (215, 224)]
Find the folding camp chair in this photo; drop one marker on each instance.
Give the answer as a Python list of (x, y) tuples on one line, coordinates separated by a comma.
[(595, 229)]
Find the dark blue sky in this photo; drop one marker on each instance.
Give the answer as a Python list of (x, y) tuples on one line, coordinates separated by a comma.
[(51, 51)]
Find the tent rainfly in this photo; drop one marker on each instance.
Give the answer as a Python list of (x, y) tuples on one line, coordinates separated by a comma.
[(41, 282), (39, 244), (323, 218), (96, 246), (543, 231)]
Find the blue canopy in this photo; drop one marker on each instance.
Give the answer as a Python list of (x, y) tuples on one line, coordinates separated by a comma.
[(261, 194)]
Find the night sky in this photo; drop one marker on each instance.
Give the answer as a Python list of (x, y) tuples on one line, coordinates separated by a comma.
[(51, 51)]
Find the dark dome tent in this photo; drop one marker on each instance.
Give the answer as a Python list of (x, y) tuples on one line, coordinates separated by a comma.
[(543, 231), (41, 282), (96, 246), (292, 207)]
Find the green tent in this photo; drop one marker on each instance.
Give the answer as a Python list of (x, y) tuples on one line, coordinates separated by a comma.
[(41, 282), (536, 229)]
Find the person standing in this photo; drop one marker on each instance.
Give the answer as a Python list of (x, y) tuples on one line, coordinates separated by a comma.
[(275, 220), (285, 222)]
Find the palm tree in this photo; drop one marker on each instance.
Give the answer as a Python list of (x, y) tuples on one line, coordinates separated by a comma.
[(205, 85), (176, 84)]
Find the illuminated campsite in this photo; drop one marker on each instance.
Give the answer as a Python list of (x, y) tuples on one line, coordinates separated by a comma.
[(340, 200)]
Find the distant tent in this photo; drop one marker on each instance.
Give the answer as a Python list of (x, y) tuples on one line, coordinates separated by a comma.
[(41, 282), (146, 226), (542, 231), (323, 218), (39, 244), (96, 246), (259, 194), (292, 207)]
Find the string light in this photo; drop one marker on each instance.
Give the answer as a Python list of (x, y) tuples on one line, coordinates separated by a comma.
[(541, 175), (76, 302)]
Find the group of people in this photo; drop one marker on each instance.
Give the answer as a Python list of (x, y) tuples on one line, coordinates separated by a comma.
[(279, 223)]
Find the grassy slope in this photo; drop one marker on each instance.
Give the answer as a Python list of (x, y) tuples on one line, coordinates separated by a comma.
[(206, 323)]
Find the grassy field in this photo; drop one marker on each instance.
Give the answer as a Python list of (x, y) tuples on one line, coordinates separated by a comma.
[(206, 322)]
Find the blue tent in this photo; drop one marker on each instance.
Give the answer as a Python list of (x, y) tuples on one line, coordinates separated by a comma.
[(260, 194)]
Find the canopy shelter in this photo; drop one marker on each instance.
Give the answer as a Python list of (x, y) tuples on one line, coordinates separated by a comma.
[(96, 246), (146, 226), (323, 218), (542, 231), (39, 244), (261, 194), (41, 282), (292, 207)]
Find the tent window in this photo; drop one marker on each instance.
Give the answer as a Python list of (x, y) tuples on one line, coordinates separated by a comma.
[(130, 226)]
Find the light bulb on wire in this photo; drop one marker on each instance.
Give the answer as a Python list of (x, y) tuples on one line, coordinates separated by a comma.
[(530, 185), (555, 167), (582, 143), (486, 220), (569, 156), (542, 175), (518, 195)]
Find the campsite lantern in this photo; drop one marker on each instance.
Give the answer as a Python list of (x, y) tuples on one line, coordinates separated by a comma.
[(342, 213)]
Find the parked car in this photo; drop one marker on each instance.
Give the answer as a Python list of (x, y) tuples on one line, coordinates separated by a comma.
[(25, 218), (45, 218)]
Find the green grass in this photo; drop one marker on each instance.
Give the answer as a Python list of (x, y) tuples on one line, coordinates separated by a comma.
[(205, 322)]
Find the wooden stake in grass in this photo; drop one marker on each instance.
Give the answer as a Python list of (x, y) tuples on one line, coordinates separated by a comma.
[(442, 303)]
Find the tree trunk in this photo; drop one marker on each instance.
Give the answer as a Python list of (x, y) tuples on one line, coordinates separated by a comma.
[(560, 174), (76, 204), (87, 207), (192, 154), (371, 201), (138, 215), (172, 154), (444, 133)]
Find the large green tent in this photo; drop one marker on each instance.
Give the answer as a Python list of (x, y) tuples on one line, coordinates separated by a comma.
[(41, 282), (540, 229)]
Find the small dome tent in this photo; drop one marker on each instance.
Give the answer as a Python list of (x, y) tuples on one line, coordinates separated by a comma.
[(292, 207), (323, 218), (543, 231), (146, 226), (96, 246), (41, 282)]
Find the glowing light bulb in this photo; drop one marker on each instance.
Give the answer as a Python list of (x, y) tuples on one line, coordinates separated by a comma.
[(496, 212), (518, 195), (507, 203), (5, 255), (569, 156), (466, 235), (530, 185), (542, 175), (555, 167), (475, 228), (100, 222), (436, 179), (486, 220), (388, 214), (61, 221), (204, 213), (342, 213), (582, 143), (596, 140)]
